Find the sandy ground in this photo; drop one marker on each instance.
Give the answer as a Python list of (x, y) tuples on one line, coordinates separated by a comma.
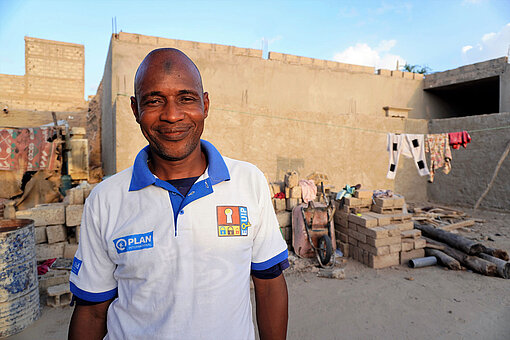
[(392, 303)]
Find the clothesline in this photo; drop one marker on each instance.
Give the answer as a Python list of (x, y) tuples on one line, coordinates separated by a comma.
[(338, 125)]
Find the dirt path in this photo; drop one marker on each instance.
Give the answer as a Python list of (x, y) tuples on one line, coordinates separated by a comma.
[(393, 303)]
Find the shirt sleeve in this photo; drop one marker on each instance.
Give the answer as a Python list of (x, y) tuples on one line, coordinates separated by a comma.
[(269, 247), (92, 271)]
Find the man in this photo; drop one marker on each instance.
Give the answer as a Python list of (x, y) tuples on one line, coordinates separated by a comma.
[(167, 246)]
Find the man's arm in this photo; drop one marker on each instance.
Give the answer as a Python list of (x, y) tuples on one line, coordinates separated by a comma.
[(272, 307), (89, 322)]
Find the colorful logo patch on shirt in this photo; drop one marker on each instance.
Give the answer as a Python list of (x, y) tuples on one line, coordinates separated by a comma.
[(134, 242), (232, 221), (76, 266)]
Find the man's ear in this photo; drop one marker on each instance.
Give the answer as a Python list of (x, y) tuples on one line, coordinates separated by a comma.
[(134, 108), (206, 104)]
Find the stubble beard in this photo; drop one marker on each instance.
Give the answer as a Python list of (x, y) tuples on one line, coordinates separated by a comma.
[(165, 151)]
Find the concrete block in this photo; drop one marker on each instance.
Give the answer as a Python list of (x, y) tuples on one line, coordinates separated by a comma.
[(393, 230), (59, 296), (405, 256), (279, 204), (420, 243), (363, 220), (277, 187), (291, 179), (287, 192), (295, 192), (284, 218), (344, 248), (70, 250), (358, 236), (382, 220), (40, 235), (56, 233), (49, 251), (383, 261), (339, 221), (365, 257), (384, 250), (74, 196), (73, 215), (77, 233), (407, 244), (53, 278), (377, 232), (87, 189), (385, 202), (363, 193), (395, 248), (44, 214), (366, 201), (378, 242), (352, 241), (291, 203), (352, 201), (413, 233), (406, 226)]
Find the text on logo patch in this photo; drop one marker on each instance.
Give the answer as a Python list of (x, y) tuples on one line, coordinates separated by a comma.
[(232, 221), (134, 242)]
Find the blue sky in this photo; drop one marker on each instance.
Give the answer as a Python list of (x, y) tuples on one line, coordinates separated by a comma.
[(440, 34)]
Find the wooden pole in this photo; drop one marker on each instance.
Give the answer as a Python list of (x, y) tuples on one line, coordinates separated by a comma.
[(503, 267), (459, 242), (444, 259), (475, 263)]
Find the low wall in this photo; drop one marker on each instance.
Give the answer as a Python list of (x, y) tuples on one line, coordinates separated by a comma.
[(473, 167)]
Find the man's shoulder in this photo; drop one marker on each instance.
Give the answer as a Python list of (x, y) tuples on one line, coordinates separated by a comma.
[(113, 185), (235, 165)]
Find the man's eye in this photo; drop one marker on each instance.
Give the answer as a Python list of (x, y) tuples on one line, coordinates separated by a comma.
[(152, 101), (188, 99)]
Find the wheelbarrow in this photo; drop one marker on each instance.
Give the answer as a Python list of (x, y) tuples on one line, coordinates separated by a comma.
[(313, 232)]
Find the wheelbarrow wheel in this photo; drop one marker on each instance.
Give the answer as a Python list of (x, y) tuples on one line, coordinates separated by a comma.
[(325, 249)]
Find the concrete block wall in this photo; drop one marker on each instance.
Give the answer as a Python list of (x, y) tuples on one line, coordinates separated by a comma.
[(473, 167), (54, 78)]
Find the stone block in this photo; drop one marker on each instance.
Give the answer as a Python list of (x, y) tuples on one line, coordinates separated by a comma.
[(384, 250), (363, 220), (406, 226), (44, 214), (363, 193), (352, 201), (383, 261), (420, 243), (393, 230), (52, 278), (284, 218), (377, 232), (405, 256), (70, 250), (407, 244), (295, 192), (279, 204), (59, 296), (73, 215), (413, 233), (291, 203), (56, 233), (40, 235), (49, 251), (378, 242)]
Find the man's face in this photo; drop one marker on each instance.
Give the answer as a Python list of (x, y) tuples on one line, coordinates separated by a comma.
[(171, 108)]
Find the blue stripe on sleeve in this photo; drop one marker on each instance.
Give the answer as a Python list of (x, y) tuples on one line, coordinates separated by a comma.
[(271, 262), (92, 297)]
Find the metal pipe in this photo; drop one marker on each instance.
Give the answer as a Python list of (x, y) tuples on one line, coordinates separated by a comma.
[(423, 262)]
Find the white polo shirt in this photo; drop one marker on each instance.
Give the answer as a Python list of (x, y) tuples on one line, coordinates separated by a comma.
[(183, 277)]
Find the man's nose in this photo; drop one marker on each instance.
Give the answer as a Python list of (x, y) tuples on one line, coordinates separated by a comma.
[(172, 112)]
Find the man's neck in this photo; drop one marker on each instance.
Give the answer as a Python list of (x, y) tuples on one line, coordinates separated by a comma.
[(192, 166)]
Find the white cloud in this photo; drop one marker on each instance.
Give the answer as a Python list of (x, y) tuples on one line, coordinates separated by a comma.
[(491, 45), (378, 57)]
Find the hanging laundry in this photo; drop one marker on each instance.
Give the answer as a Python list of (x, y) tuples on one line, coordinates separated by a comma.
[(440, 153), (410, 146), (32, 148), (457, 139)]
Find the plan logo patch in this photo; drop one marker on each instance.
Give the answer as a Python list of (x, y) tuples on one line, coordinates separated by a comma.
[(232, 221), (134, 242), (76, 266)]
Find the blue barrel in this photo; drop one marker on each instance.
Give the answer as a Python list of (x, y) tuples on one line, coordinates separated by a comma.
[(19, 292)]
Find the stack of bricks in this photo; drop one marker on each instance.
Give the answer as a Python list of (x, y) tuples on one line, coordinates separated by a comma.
[(284, 217), (374, 233), (57, 225)]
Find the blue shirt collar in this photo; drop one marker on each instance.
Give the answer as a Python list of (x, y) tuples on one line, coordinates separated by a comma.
[(143, 177)]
